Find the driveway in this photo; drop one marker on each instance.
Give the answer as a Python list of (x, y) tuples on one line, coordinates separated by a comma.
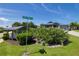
[(1, 35), (74, 33), (1, 40)]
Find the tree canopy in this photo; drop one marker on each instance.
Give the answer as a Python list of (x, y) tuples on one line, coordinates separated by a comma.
[(74, 24), (16, 24), (31, 24)]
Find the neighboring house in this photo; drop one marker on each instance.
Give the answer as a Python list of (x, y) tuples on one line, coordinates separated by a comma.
[(74, 27), (48, 25), (51, 24), (57, 25), (13, 31), (65, 27)]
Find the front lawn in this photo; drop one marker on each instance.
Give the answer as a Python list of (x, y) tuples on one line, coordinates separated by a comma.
[(76, 30), (10, 50), (72, 49)]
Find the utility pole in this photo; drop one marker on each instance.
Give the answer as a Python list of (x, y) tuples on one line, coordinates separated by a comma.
[(27, 26)]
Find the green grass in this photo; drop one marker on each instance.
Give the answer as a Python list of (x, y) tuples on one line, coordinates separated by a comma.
[(10, 50), (76, 30), (71, 49)]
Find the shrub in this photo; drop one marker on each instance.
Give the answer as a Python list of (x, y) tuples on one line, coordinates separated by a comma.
[(1, 31), (58, 36), (41, 34), (22, 38), (42, 51), (51, 36), (5, 36)]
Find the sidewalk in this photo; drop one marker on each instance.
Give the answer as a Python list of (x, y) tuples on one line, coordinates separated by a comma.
[(74, 33)]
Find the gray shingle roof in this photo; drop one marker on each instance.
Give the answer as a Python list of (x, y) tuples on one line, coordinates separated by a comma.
[(13, 28)]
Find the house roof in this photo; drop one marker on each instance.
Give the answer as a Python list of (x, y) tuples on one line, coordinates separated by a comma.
[(52, 23), (12, 28)]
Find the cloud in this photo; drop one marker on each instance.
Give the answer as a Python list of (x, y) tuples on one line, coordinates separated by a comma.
[(3, 19), (51, 10), (59, 12), (35, 6), (7, 10), (10, 12)]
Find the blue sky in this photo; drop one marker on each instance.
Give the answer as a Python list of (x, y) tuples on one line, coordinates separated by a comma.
[(42, 13)]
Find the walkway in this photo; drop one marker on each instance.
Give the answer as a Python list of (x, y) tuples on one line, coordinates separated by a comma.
[(74, 33), (1, 40)]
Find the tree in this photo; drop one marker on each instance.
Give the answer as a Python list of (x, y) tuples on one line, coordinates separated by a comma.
[(74, 25), (1, 29), (27, 18), (32, 25), (25, 25), (16, 24), (42, 25)]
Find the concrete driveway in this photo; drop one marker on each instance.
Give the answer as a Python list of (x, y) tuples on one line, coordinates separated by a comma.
[(74, 33), (1, 35)]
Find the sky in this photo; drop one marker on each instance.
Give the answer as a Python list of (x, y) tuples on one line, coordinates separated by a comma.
[(63, 13)]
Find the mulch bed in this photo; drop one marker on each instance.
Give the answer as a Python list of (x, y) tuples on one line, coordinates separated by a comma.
[(12, 42)]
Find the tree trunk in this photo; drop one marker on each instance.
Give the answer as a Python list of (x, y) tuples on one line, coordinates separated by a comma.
[(62, 43)]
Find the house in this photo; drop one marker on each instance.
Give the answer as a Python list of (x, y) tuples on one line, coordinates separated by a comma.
[(13, 31), (57, 25), (65, 27), (51, 24)]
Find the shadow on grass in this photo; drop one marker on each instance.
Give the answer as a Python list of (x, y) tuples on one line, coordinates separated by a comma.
[(67, 43)]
